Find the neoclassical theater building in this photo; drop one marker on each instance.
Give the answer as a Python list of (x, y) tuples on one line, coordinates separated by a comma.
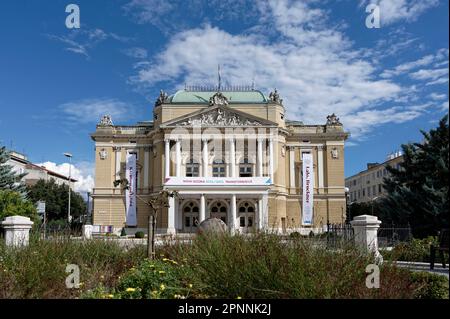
[(230, 154)]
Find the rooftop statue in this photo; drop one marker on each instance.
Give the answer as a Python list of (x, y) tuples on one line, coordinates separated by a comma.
[(218, 99), (333, 120), (275, 97), (106, 121), (162, 98)]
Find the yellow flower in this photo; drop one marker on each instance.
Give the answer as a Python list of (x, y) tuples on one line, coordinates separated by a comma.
[(130, 290), (162, 287), (161, 272), (111, 296), (174, 262), (238, 297), (165, 259), (190, 285)]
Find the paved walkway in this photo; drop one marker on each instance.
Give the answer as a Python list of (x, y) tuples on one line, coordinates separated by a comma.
[(421, 266)]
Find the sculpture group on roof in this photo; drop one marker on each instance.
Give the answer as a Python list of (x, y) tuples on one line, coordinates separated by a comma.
[(162, 98), (106, 120), (333, 120), (275, 97), (218, 99)]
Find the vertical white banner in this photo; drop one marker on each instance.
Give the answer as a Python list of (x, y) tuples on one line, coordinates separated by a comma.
[(308, 189), (130, 193)]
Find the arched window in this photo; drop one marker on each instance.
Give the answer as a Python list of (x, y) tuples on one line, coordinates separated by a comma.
[(245, 168), (218, 168), (219, 210), (192, 168), (246, 215)]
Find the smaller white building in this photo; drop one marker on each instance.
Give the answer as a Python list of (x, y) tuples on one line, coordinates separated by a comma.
[(21, 165)]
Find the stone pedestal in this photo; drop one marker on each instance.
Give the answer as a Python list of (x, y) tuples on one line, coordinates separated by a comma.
[(87, 231), (366, 234), (17, 230)]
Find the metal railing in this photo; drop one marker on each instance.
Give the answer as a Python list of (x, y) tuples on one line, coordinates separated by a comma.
[(392, 235)]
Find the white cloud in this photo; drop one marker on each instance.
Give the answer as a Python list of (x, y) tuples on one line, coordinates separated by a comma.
[(137, 53), (91, 110), (438, 59), (392, 11), (444, 106), (436, 96), (82, 40), (429, 74), (83, 172), (314, 68)]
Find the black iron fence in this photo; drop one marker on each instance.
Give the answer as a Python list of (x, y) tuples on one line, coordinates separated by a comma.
[(390, 236), (339, 235)]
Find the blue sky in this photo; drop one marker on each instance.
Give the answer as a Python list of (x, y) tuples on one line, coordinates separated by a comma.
[(55, 83)]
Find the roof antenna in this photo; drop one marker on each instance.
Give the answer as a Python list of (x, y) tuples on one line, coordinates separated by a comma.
[(219, 78)]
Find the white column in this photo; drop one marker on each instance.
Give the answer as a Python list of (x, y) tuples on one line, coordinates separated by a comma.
[(260, 157), (232, 222), (146, 167), (202, 215), (171, 216), (232, 158), (265, 211), (178, 157), (320, 167), (205, 158), (292, 167), (271, 159), (167, 158), (260, 214)]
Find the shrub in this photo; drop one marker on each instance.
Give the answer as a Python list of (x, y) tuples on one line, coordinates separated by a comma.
[(431, 286), (139, 234), (154, 279), (12, 203), (38, 270), (415, 250), (295, 234), (123, 232), (262, 266)]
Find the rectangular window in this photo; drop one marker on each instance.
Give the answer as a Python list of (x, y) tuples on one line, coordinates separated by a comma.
[(359, 194), (379, 188), (242, 221), (187, 221), (374, 190), (364, 192)]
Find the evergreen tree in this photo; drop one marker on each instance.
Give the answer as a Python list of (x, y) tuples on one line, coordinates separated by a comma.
[(10, 180), (417, 192)]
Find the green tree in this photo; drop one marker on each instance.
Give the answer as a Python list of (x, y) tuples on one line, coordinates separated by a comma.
[(12, 203), (56, 199), (8, 178), (417, 192)]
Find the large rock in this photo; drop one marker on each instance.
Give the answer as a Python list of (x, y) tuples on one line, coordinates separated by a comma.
[(212, 225)]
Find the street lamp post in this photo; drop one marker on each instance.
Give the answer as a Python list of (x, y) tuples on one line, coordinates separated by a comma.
[(69, 155), (372, 201)]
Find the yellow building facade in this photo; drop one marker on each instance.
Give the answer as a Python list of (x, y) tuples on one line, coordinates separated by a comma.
[(230, 154)]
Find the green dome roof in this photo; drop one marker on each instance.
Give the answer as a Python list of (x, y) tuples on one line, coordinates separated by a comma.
[(192, 97)]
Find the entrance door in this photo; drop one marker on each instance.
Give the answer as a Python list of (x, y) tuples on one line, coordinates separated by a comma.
[(246, 217), (219, 210), (190, 217)]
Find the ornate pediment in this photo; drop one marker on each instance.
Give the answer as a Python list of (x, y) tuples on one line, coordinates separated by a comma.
[(218, 117)]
